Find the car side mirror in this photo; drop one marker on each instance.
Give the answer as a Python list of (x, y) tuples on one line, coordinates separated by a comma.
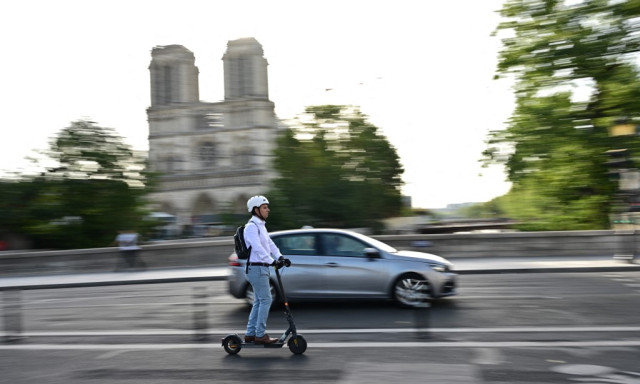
[(372, 253)]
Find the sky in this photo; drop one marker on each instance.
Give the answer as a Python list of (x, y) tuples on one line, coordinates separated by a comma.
[(422, 71)]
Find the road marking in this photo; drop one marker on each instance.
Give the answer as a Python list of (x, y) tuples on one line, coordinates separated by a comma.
[(473, 286), (217, 331), (625, 281), (487, 356), (70, 306), (113, 353), (339, 344), (508, 297)]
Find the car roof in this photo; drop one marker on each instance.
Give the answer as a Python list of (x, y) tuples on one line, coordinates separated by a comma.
[(367, 239), (313, 230)]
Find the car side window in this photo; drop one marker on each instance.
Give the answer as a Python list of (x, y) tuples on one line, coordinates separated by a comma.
[(304, 245), (340, 245)]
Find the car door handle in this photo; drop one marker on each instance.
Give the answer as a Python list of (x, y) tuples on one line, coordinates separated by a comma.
[(333, 265)]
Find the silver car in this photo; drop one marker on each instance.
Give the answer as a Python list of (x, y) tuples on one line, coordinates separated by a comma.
[(340, 264)]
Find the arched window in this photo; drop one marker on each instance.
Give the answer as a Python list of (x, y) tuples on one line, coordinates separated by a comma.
[(207, 154), (245, 158), (170, 164)]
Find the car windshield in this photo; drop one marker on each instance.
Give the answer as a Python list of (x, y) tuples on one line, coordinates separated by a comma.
[(304, 243), (376, 243)]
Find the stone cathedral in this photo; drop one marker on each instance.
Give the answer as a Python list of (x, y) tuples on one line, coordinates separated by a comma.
[(212, 156)]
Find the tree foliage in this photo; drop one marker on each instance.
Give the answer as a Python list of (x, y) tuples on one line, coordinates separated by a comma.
[(97, 187), (554, 146), (336, 170), (85, 150)]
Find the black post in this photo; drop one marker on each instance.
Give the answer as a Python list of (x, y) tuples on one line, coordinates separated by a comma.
[(422, 317), (12, 309), (200, 326), (626, 248), (635, 244)]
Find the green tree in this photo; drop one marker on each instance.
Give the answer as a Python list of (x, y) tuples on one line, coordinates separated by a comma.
[(85, 150), (488, 210), (97, 187), (20, 202), (335, 169), (554, 146)]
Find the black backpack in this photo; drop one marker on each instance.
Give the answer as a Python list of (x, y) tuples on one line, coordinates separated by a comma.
[(241, 247)]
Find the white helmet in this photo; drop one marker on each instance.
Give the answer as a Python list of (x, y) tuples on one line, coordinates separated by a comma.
[(256, 201)]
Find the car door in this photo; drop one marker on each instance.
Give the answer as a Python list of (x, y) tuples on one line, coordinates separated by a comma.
[(348, 272), (303, 278)]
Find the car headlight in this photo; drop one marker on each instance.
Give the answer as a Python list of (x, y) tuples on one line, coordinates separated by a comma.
[(439, 267)]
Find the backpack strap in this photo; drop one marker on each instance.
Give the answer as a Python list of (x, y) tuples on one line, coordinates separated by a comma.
[(246, 269)]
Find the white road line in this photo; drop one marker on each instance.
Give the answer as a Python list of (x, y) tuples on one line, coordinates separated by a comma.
[(483, 344), (112, 353), (508, 297), (215, 331), (340, 344)]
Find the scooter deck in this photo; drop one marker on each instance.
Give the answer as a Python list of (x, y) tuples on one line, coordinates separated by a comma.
[(254, 345)]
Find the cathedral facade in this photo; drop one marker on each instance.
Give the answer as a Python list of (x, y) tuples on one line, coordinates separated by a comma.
[(211, 156)]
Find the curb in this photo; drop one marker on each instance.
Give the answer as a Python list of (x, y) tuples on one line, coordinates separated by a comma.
[(491, 271), (82, 284)]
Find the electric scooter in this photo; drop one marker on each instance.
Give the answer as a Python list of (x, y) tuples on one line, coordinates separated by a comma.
[(297, 344)]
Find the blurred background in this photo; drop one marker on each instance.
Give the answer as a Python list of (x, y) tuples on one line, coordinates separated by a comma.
[(499, 134), (548, 92)]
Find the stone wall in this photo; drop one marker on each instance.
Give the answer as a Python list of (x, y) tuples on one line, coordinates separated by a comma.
[(215, 252)]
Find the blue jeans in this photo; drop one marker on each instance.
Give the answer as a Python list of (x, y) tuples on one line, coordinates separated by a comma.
[(258, 277)]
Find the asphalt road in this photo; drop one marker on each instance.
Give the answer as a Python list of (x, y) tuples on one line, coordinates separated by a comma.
[(502, 328)]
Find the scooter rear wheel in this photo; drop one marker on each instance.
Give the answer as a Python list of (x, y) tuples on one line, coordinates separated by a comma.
[(297, 344), (232, 344)]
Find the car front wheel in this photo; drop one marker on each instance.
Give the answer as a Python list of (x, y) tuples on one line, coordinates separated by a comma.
[(411, 290)]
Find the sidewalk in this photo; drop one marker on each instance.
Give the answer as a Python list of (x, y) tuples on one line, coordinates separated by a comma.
[(469, 266), (462, 266)]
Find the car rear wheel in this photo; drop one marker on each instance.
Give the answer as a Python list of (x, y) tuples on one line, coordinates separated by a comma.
[(411, 290), (249, 295), (232, 344)]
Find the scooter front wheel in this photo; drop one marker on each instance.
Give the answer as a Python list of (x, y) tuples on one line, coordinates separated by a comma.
[(297, 344), (232, 344)]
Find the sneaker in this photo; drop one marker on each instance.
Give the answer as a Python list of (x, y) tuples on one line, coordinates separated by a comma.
[(249, 339), (264, 339)]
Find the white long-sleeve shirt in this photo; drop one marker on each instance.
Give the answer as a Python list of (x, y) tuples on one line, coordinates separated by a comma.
[(263, 249)]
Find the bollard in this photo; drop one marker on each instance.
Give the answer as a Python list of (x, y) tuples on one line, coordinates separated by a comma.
[(635, 246), (422, 313), (200, 326), (12, 310), (422, 319), (627, 245)]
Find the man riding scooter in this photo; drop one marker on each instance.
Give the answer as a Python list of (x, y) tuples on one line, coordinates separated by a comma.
[(264, 253)]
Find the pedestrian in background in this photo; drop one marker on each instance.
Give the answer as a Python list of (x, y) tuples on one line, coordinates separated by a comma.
[(127, 242)]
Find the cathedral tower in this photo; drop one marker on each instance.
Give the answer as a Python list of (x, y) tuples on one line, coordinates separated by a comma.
[(245, 70), (174, 76)]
